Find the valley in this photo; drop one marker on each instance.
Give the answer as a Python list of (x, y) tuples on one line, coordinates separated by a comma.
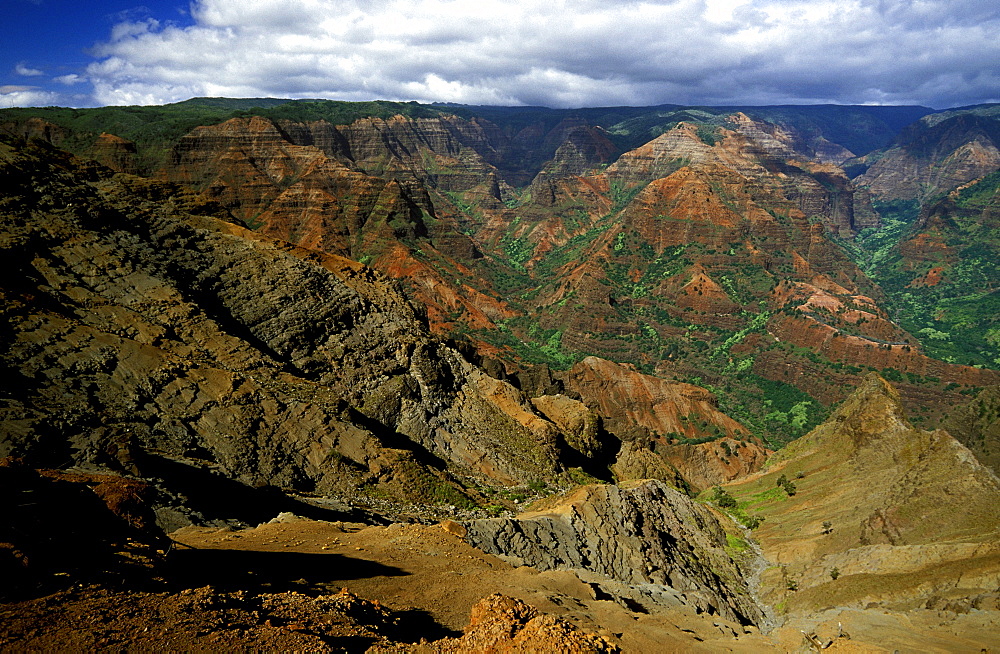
[(336, 376)]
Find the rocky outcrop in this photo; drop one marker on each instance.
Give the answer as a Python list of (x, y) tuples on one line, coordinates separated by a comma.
[(581, 426), (118, 154), (645, 535), (504, 624), (137, 326), (651, 414), (755, 151)]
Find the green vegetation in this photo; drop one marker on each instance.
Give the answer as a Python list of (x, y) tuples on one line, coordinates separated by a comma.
[(621, 194), (344, 113), (708, 134), (154, 129), (736, 546), (721, 497), (949, 298)]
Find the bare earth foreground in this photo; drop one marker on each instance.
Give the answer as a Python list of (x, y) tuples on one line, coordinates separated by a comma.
[(304, 585), (300, 587)]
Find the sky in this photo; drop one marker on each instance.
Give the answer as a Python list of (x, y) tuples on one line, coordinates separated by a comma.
[(556, 53)]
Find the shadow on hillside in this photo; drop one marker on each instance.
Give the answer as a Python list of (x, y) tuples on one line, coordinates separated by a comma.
[(275, 572), (311, 574), (216, 497), (414, 624)]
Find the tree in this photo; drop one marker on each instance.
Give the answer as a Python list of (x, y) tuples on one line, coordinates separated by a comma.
[(834, 573), (827, 528), (723, 498)]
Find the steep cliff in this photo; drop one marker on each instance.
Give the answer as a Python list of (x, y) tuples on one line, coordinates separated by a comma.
[(934, 156), (142, 327)]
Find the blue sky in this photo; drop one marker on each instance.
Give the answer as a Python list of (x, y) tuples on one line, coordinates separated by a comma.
[(560, 53), (46, 40)]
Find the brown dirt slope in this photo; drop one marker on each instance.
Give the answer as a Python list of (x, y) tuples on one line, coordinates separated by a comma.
[(883, 515)]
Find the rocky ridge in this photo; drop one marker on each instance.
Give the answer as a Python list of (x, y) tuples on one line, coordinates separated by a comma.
[(880, 514), (933, 157), (700, 228), (138, 327)]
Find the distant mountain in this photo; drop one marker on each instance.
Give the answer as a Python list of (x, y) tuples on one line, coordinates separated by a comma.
[(935, 155), (936, 190)]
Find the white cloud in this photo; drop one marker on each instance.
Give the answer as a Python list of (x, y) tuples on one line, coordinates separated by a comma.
[(562, 53), (25, 71), (70, 80), (13, 95)]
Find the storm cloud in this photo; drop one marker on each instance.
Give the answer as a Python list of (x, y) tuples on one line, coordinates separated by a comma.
[(561, 54)]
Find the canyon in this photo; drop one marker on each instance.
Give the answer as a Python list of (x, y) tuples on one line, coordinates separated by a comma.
[(645, 377)]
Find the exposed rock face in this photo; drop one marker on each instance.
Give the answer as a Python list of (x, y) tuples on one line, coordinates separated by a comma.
[(900, 514), (295, 192), (701, 231), (623, 397), (360, 191), (503, 624), (931, 158), (116, 153), (643, 535), (581, 426), (582, 147), (139, 327), (754, 150), (447, 152), (680, 255), (649, 413), (38, 128)]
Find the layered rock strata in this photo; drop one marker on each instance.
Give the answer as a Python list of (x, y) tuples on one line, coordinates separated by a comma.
[(139, 325), (644, 535)]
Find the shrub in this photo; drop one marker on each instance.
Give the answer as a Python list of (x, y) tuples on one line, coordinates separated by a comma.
[(723, 498)]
